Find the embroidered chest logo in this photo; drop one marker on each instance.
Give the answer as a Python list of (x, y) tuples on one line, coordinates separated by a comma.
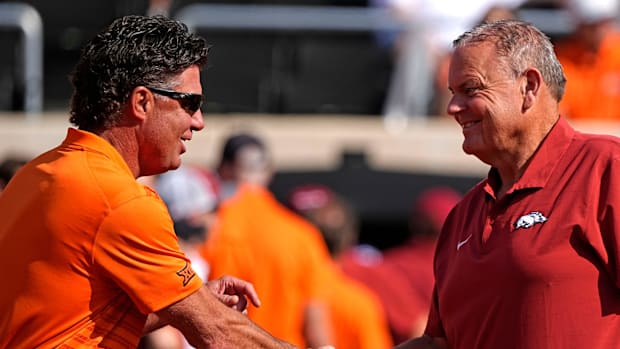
[(529, 220), (187, 273)]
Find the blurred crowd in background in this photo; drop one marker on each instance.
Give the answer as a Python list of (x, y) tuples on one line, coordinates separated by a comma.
[(355, 294), (361, 296), (396, 69), (586, 45)]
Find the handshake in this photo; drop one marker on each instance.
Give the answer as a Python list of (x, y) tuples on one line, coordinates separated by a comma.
[(234, 293)]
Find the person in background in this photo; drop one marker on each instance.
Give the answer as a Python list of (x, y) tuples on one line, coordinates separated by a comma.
[(428, 26), (529, 257), (191, 196), (159, 7), (358, 322), (402, 276), (590, 56), (260, 240), (8, 167), (91, 253)]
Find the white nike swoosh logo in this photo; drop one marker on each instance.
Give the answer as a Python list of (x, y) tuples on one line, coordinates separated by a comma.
[(461, 243)]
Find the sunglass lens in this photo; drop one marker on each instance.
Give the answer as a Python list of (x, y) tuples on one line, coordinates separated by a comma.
[(192, 103)]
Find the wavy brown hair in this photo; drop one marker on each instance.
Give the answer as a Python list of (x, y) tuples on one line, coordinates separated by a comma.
[(133, 51)]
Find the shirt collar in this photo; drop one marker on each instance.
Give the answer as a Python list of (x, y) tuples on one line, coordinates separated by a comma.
[(542, 163), (91, 142)]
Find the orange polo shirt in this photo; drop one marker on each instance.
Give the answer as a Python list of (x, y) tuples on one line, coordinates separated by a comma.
[(357, 317), (85, 250), (259, 240), (593, 87)]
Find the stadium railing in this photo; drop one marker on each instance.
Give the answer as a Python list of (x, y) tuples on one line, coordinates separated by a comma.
[(26, 19)]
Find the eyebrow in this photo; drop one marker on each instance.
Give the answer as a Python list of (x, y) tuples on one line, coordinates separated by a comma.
[(460, 87)]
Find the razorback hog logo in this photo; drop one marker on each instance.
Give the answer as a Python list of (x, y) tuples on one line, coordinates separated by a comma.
[(530, 219)]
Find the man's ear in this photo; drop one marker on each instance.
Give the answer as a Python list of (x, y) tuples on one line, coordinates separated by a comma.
[(531, 87), (141, 102)]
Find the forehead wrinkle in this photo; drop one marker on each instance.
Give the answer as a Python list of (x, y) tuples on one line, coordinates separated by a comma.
[(475, 67), (467, 75)]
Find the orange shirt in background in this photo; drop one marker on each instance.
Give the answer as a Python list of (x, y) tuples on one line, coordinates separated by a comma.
[(356, 313), (85, 251), (258, 239), (593, 87)]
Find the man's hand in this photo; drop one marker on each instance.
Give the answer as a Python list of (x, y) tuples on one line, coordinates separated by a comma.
[(234, 292)]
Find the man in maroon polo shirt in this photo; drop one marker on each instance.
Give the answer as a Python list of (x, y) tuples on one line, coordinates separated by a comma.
[(530, 258)]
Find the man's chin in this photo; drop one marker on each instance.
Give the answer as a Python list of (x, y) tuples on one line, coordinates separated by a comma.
[(174, 166), (468, 149), (163, 169)]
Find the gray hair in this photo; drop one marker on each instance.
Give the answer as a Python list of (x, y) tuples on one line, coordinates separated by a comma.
[(520, 45)]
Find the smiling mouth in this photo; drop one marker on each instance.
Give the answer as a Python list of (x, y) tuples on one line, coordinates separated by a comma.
[(469, 124)]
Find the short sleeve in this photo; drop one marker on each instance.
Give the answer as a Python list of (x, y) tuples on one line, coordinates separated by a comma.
[(137, 248)]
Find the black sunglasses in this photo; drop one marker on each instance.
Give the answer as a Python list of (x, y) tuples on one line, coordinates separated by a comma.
[(191, 102)]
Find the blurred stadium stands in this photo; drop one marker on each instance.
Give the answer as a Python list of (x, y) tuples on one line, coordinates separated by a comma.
[(316, 76), (264, 71), (279, 56), (66, 27)]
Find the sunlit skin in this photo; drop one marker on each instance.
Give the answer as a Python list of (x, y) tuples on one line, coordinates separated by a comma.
[(485, 102), (152, 129), (497, 111), (167, 126)]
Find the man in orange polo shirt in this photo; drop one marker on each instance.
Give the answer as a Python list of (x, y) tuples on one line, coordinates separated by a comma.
[(89, 255), (258, 239)]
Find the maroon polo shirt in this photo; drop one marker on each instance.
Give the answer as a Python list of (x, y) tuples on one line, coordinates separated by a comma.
[(538, 268)]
